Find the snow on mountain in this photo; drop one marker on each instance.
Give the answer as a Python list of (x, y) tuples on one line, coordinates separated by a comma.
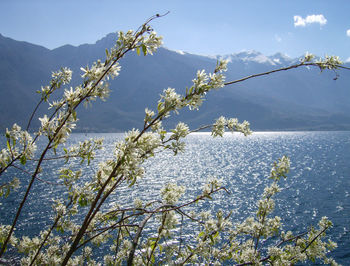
[(283, 59), (257, 57), (180, 52), (246, 57)]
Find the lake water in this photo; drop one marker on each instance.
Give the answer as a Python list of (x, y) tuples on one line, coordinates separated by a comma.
[(317, 185)]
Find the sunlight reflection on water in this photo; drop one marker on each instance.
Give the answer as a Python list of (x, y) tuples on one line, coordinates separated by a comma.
[(317, 185)]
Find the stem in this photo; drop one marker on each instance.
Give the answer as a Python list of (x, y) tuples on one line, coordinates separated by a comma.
[(2, 170), (320, 233), (118, 237), (158, 238), (269, 72), (136, 239), (37, 106), (41, 180), (180, 244), (260, 230)]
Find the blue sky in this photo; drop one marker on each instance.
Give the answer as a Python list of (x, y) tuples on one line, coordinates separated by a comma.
[(196, 26)]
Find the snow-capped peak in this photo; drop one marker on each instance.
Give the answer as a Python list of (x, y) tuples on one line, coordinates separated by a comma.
[(280, 58), (257, 57), (249, 56)]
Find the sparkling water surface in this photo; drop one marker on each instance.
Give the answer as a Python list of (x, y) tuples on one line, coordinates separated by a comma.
[(317, 185)]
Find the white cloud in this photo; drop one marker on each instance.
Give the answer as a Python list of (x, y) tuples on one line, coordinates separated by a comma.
[(302, 22), (299, 21), (348, 32), (347, 60)]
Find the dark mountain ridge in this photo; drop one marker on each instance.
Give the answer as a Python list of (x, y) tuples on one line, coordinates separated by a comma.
[(299, 99)]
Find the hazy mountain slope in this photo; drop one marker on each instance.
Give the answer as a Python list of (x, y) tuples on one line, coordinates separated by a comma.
[(294, 100), (23, 69)]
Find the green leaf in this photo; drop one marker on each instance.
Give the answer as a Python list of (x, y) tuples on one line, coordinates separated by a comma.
[(159, 106), (216, 234), (7, 191), (8, 145), (74, 113), (59, 229), (54, 148), (82, 201), (209, 197), (132, 182), (23, 159), (144, 49), (138, 50), (211, 238)]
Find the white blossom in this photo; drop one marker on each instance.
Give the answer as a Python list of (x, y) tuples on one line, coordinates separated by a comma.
[(221, 66), (219, 127), (181, 131), (149, 115), (64, 75), (170, 98), (138, 203), (172, 192)]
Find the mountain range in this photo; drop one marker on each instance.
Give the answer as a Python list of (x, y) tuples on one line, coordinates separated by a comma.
[(299, 99)]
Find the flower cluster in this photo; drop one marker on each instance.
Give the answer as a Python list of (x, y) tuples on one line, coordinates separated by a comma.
[(97, 70), (6, 187), (133, 151), (232, 124), (203, 83), (58, 128), (59, 78), (64, 76), (4, 230), (210, 186), (20, 146), (169, 100), (85, 150), (280, 168), (148, 43), (171, 193), (328, 62)]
